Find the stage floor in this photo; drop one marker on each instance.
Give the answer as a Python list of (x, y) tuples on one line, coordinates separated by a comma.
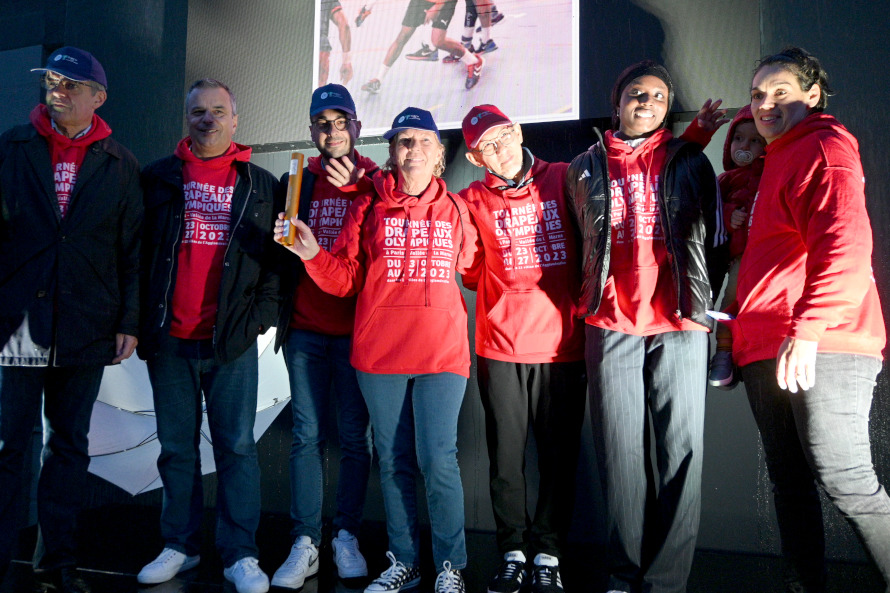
[(115, 541)]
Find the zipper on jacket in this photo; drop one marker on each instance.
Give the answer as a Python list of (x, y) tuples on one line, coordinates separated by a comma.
[(668, 230), (234, 228), (173, 255)]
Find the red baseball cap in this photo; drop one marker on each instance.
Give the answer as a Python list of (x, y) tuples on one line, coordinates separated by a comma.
[(479, 120)]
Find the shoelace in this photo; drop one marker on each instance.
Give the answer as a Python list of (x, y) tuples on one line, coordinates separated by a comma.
[(248, 565), (348, 548), (448, 580), (511, 568), (545, 575), (396, 572)]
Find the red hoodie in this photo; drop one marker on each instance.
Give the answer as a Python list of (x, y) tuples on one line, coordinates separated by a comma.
[(66, 154), (410, 317), (527, 272), (314, 309), (738, 185), (208, 186), (806, 272), (638, 297)]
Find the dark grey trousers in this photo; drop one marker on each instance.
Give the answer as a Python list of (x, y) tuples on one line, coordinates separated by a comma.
[(652, 513)]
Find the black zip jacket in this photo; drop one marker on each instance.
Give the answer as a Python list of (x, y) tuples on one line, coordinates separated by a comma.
[(249, 299), (690, 214), (67, 285)]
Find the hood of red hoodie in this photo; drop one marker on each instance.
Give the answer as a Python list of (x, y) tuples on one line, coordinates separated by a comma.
[(236, 152), (742, 116), (813, 123), (41, 120), (618, 148), (496, 184), (385, 184)]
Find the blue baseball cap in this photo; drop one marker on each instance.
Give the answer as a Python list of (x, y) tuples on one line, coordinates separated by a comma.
[(75, 64), (413, 118), (331, 96)]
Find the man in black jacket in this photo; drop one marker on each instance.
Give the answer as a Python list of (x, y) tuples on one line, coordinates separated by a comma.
[(209, 288), (70, 215)]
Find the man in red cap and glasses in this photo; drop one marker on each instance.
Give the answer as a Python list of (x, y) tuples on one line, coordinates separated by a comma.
[(529, 345)]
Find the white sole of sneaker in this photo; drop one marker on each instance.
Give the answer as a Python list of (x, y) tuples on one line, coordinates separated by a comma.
[(189, 563), (295, 583)]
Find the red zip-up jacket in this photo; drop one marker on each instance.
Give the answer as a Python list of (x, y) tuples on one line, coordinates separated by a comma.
[(526, 273), (806, 271), (400, 254)]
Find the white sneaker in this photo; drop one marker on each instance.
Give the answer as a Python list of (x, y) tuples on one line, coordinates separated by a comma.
[(301, 564), (166, 566), (247, 576), (350, 562)]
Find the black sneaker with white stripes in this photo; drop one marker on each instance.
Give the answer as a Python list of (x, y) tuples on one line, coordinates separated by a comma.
[(545, 575), (510, 575), (395, 578)]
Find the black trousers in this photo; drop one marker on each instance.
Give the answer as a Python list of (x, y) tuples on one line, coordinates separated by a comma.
[(549, 398)]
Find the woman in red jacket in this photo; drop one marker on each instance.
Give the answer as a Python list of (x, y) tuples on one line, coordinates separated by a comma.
[(399, 250), (807, 302)]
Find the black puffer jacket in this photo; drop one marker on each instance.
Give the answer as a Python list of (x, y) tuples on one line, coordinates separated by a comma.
[(249, 289), (690, 213), (70, 283)]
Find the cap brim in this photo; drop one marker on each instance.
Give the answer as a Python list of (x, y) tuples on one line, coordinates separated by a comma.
[(394, 131), (60, 73), (342, 108), (490, 128)]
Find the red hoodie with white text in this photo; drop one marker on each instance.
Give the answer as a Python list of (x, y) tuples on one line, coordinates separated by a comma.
[(399, 254), (527, 272), (639, 296), (806, 271)]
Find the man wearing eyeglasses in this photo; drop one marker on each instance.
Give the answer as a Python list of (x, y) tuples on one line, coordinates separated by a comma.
[(529, 345), (315, 329), (70, 216)]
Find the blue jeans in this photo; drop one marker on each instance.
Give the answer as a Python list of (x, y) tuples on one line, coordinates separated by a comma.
[(414, 419), (315, 361), (68, 395), (183, 372), (821, 435), (635, 382)]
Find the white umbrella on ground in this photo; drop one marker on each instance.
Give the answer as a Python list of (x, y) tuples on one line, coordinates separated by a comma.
[(123, 436)]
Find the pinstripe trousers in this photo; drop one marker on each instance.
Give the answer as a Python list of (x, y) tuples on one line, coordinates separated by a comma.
[(638, 384)]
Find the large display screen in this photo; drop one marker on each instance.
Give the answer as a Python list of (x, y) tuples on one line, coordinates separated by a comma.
[(388, 57)]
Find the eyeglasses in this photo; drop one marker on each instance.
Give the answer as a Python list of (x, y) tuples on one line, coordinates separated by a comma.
[(492, 146), (72, 87), (339, 124)]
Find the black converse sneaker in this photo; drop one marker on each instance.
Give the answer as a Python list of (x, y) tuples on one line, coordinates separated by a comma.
[(545, 576), (395, 578), (510, 575), (449, 580)]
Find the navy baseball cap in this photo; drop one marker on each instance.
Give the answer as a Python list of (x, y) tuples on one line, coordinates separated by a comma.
[(413, 118), (75, 64), (331, 96)]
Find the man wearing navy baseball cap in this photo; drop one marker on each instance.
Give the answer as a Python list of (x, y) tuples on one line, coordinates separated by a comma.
[(315, 329), (69, 260)]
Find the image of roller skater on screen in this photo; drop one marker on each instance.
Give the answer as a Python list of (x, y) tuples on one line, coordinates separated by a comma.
[(439, 14), (332, 10), (476, 10)]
